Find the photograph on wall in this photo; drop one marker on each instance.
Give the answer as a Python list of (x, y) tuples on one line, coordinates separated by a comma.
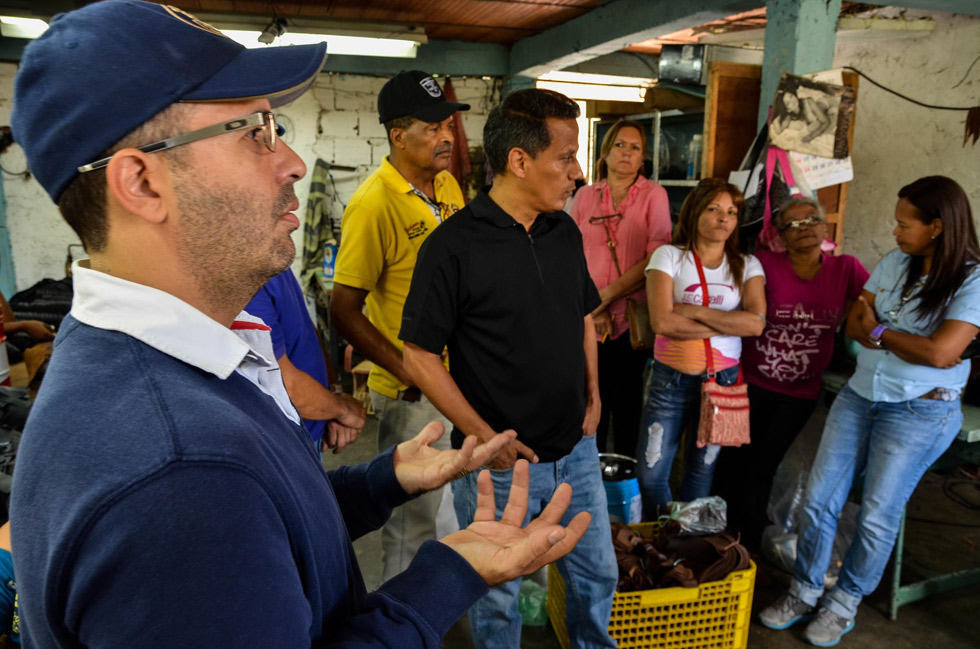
[(811, 117)]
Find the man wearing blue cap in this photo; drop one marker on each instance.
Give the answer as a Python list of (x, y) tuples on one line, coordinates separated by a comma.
[(165, 490), (385, 223)]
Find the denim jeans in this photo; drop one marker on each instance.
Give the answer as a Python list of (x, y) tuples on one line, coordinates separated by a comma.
[(891, 445), (589, 570), (413, 523), (673, 406)]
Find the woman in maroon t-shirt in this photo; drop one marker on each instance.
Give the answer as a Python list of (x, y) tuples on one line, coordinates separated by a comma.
[(808, 293)]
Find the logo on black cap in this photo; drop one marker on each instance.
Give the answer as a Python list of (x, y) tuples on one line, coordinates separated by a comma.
[(431, 87)]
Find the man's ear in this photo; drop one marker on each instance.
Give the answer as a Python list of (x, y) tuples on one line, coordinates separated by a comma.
[(396, 138), (136, 181), (517, 160)]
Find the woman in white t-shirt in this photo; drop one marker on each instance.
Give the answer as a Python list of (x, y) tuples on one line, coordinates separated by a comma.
[(707, 227)]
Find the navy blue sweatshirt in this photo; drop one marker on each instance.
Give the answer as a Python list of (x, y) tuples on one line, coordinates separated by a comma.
[(155, 504)]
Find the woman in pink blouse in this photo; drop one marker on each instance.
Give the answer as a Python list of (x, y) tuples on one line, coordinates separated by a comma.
[(633, 211)]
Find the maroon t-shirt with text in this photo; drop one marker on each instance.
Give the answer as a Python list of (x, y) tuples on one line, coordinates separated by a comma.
[(802, 315)]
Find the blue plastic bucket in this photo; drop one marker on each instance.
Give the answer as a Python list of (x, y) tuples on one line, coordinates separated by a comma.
[(622, 488)]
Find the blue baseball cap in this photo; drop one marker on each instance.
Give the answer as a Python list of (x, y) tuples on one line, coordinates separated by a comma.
[(100, 71)]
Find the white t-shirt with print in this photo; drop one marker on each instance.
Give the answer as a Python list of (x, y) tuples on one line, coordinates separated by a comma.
[(687, 356)]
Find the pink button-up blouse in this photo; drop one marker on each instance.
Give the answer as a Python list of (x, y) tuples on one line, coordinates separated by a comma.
[(643, 227)]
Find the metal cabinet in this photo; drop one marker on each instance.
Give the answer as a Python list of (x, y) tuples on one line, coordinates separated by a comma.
[(669, 134)]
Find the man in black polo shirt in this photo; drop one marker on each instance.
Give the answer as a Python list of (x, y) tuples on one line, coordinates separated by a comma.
[(504, 285)]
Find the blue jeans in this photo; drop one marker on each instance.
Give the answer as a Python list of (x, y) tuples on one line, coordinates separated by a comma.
[(673, 406), (891, 445), (589, 570)]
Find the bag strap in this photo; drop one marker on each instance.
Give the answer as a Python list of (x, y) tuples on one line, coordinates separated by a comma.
[(785, 167), (771, 160), (705, 301), (612, 247), (776, 157)]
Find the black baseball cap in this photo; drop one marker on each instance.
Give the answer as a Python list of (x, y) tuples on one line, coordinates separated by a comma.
[(415, 93)]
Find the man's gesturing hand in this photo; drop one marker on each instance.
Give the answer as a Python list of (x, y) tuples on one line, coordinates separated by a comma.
[(504, 550), (420, 468)]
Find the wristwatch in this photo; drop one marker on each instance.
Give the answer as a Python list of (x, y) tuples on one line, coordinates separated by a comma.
[(876, 334)]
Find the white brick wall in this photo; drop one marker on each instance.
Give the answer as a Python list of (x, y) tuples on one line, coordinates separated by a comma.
[(342, 115), (336, 121)]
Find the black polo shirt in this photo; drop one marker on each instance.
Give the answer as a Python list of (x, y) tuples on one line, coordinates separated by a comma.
[(510, 305)]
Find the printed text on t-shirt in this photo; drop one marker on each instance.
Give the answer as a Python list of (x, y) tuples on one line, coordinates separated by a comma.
[(692, 294)]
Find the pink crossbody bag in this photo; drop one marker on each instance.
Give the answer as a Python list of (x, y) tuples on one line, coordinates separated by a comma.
[(724, 408)]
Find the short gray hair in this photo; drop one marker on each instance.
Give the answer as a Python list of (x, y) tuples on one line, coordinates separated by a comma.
[(796, 201)]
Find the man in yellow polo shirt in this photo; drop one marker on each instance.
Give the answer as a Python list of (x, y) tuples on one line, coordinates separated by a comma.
[(385, 223)]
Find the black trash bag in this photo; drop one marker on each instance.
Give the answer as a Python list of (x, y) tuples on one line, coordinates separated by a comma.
[(48, 301), (15, 405)]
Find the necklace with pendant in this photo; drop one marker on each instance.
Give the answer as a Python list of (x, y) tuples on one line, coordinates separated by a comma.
[(906, 296)]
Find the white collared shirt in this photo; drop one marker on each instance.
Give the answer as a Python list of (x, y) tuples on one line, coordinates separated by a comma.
[(170, 325)]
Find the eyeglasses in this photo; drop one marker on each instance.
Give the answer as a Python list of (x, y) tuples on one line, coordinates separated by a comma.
[(796, 225), (271, 131)]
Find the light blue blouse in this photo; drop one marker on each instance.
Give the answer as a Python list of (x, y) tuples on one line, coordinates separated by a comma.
[(883, 376)]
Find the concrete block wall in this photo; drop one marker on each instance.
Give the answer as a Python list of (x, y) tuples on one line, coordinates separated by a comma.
[(336, 121), (344, 110), (896, 142)]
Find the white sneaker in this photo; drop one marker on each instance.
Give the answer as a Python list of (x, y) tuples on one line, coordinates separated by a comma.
[(826, 628), (785, 612)]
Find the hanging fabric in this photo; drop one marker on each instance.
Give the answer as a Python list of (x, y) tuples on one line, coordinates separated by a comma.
[(781, 184), (316, 224)]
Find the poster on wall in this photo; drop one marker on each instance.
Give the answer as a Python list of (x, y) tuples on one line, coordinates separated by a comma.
[(811, 116)]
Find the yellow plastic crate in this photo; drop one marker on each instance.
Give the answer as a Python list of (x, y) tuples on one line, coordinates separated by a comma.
[(715, 614)]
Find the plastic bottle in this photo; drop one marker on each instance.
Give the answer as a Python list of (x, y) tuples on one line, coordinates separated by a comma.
[(329, 257), (694, 158)]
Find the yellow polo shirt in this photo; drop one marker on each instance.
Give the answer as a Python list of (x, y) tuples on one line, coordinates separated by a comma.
[(383, 228)]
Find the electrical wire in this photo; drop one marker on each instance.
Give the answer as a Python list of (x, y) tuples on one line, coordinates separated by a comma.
[(958, 498), (643, 59), (967, 73), (949, 490), (906, 98)]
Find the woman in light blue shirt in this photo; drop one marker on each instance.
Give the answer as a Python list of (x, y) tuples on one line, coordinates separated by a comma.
[(898, 413)]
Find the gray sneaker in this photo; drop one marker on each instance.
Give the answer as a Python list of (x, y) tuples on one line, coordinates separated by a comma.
[(826, 628), (785, 612)]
